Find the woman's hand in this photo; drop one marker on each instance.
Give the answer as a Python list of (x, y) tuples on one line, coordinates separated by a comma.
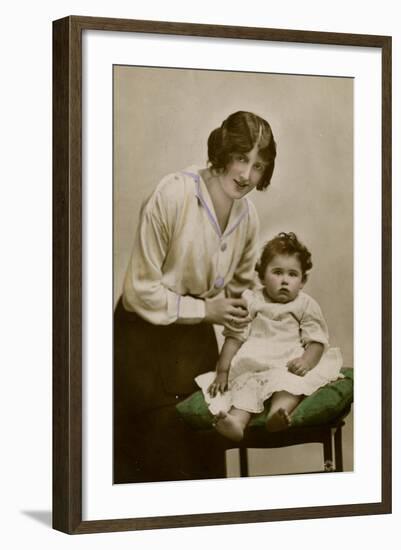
[(230, 312), (299, 366), (219, 384)]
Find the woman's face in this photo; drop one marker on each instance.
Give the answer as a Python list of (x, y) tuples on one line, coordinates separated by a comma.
[(242, 174)]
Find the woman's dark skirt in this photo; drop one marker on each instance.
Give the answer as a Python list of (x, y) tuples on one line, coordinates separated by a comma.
[(154, 368)]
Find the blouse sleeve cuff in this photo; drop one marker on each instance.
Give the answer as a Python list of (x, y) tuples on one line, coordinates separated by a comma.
[(190, 310)]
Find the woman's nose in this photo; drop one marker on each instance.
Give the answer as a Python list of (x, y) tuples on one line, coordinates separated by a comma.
[(245, 172)]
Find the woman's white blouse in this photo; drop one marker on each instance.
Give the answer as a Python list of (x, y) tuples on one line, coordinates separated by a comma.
[(180, 256)]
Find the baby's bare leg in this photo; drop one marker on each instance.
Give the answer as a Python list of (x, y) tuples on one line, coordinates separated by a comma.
[(282, 405), (233, 423)]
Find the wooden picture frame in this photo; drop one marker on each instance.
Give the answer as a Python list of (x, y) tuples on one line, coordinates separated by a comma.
[(67, 273)]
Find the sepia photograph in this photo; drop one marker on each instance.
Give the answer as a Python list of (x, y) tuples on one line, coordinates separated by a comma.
[(199, 217), (233, 255), (222, 222)]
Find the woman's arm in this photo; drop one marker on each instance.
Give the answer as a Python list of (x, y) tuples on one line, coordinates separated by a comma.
[(230, 312), (144, 291)]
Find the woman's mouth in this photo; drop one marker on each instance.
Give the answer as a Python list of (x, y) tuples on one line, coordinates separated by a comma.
[(241, 184)]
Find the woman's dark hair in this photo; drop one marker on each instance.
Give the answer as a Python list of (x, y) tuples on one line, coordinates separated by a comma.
[(238, 134), (288, 244)]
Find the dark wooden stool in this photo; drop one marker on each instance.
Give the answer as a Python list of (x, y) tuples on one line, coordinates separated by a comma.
[(319, 418), (329, 435)]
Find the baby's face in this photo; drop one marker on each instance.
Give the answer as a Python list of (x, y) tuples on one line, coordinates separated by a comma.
[(283, 278)]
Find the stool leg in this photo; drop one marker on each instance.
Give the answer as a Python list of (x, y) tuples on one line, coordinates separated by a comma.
[(338, 449), (243, 462), (328, 451)]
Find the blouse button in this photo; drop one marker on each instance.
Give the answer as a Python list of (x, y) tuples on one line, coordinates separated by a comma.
[(219, 282), (223, 247)]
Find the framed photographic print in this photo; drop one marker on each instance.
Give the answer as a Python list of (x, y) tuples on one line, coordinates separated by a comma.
[(222, 267)]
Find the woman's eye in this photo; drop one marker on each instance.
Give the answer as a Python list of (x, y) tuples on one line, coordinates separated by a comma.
[(238, 157), (259, 167)]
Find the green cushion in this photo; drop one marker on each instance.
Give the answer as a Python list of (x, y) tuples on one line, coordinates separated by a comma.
[(326, 404), (194, 410)]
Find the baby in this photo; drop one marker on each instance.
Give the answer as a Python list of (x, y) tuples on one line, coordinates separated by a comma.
[(283, 353)]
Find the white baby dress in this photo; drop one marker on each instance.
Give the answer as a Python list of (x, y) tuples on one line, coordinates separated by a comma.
[(277, 333)]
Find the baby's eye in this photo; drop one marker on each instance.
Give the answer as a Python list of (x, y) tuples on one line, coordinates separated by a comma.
[(294, 274), (277, 272)]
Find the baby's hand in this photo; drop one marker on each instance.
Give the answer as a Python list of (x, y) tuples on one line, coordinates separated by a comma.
[(219, 384), (299, 366)]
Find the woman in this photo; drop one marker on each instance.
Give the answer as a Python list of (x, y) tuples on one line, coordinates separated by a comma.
[(194, 254)]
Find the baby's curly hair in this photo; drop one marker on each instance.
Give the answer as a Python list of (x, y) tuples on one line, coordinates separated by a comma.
[(288, 244)]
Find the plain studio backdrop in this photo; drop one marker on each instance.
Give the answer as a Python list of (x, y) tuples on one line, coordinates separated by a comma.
[(162, 119), (26, 250)]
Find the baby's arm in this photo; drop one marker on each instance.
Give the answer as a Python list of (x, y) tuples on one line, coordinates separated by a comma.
[(314, 338), (308, 360), (229, 349)]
